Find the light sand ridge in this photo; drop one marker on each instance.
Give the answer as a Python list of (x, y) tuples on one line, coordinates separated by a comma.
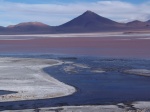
[(141, 72), (102, 34), (26, 77)]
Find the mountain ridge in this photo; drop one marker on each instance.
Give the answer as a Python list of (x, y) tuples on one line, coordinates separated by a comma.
[(87, 22)]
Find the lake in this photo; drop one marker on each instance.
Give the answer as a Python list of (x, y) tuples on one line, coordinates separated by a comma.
[(93, 88)]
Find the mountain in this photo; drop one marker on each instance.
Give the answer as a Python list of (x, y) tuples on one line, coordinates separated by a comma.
[(2, 28), (89, 18), (29, 27), (29, 24), (136, 23), (148, 21), (89, 21)]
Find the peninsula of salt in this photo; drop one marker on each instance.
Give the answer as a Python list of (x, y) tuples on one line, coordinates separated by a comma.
[(25, 77)]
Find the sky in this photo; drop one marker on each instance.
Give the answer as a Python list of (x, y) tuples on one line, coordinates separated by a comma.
[(56, 12)]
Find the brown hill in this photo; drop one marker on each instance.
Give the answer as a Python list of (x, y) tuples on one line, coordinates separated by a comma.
[(29, 27)]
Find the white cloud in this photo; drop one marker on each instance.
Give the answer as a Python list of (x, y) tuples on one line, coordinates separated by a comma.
[(56, 14)]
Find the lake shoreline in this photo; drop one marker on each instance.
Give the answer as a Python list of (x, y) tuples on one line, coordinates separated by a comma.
[(121, 107)]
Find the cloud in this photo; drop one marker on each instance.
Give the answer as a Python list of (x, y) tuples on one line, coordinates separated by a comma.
[(56, 14)]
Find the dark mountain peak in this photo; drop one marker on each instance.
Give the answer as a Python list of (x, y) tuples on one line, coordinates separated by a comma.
[(89, 19), (91, 15), (88, 12)]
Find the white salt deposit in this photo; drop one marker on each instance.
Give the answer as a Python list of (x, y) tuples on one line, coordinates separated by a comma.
[(26, 77), (142, 72)]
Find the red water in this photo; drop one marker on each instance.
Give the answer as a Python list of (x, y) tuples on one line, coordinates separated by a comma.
[(109, 47)]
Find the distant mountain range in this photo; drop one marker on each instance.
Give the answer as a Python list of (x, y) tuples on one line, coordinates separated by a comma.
[(87, 22)]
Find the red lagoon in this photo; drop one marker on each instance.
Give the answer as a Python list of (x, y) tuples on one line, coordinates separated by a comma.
[(131, 47)]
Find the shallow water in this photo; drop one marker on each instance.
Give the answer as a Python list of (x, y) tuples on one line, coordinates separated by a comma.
[(113, 86), (6, 92)]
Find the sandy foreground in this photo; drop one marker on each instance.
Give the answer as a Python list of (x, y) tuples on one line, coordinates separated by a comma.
[(134, 107), (25, 77)]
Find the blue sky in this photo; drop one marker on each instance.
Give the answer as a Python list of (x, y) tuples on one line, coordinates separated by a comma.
[(70, 1), (56, 12)]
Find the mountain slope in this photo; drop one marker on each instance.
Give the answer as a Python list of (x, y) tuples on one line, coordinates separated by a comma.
[(148, 23), (89, 21), (2, 28)]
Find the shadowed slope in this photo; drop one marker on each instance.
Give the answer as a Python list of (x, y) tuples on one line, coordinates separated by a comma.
[(89, 21)]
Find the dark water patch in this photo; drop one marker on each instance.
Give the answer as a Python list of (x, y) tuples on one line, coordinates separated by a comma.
[(113, 86), (68, 58), (3, 92)]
